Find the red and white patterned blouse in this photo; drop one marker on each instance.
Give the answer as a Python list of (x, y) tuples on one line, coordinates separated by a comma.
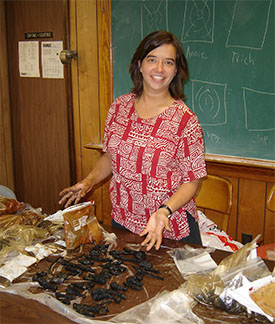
[(151, 158)]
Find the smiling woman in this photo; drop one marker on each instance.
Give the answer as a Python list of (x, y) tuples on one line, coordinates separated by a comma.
[(158, 70), (151, 43), (153, 147)]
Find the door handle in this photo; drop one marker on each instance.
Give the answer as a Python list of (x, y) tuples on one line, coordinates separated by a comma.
[(66, 56)]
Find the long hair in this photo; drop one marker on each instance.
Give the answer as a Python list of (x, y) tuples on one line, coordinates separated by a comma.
[(149, 43)]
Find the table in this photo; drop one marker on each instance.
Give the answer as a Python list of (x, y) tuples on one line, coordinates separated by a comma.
[(16, 309)]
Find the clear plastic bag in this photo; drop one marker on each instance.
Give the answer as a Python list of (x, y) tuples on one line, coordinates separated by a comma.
[(21, 214), (14, 239), (191, 260), (9, 205), (81, 225), (165, 308), (211, 289), (251, 270)]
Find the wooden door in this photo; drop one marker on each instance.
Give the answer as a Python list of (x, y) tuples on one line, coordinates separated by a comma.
[(41, 109)]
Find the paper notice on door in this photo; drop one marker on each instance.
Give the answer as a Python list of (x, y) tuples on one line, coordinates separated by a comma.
[(29, 59), (52, 67)]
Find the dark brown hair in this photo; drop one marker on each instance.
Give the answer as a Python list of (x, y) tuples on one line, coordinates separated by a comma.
[(149, 43)]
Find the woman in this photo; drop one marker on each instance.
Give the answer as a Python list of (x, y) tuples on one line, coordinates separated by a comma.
[(153, 147)]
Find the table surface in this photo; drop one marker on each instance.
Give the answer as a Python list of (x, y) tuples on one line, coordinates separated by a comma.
[(15, 309)]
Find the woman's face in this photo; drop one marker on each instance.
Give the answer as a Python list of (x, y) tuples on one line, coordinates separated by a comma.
[(158, 68)]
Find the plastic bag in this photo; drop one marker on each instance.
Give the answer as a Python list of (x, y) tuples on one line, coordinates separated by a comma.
[(15, 238), (165, 308), (23, 216), (14, 268), (251, 270), (191, 260), (81, 225), (91, 228), (212, 236), (9, 205), (210, 289), (173, 307)]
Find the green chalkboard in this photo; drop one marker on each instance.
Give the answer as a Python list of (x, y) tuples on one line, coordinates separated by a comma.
[(229, 46)]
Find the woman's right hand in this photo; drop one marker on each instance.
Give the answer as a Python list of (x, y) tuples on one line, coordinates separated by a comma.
[(73, 194)]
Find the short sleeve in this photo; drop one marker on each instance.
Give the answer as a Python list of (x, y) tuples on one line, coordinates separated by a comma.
[(190, 154), (108, 122)]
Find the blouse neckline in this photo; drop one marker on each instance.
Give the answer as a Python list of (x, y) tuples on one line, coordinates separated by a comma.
[(150, 119)]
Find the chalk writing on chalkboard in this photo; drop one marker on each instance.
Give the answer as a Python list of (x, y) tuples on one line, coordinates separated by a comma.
[(209, 103), (198, 21), (153, 16), (243, 19), (252, 101)]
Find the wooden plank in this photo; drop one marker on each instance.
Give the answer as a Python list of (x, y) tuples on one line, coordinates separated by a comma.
[(240, 161), (105, 59), (241, 171), (251, 209), (86, 91), (269, 234), (75, 92), (105, 87), (88, 73), (232, 226)]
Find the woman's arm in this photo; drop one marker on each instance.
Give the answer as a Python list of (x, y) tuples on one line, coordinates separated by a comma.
[(159, 220), (102, 169), (73, 194), (183, 195)]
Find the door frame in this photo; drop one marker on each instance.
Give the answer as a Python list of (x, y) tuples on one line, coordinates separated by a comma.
[(92, 89), (6, 155)]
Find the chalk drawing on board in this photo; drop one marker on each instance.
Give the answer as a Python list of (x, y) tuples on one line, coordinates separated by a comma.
[(154, 16), (249, 15), (259, 117), (209, 102), (198, 21)]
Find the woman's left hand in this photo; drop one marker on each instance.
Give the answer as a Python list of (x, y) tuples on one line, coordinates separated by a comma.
[(157, 222)]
